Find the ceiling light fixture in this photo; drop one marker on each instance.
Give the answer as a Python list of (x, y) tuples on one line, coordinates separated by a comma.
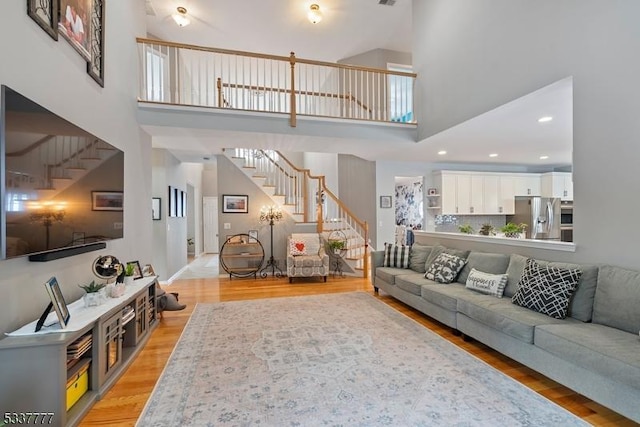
[(544, 157), (314, 14), (545, 119), (442, 152), (493, 155), (181, 17)]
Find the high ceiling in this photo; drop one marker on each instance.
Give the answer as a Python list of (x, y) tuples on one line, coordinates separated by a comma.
[(349, 28)]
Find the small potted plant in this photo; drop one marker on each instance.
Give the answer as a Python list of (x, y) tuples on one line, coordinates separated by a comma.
[(487, 230), (92, 296), (513, 230), (337, 245), (466, 229), (129, 270)]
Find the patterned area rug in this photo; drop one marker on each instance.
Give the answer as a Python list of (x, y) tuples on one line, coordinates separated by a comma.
[(331, 360)]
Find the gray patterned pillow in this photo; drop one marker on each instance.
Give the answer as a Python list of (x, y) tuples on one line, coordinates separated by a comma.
[(445, 268), (546, 290)]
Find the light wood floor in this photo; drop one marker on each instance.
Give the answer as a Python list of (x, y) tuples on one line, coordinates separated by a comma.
[(125, 401)]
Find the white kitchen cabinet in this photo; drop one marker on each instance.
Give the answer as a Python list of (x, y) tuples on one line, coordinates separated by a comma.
[(476, 195), (471, 193), (448, 193), (506, 205), (557, 184), (491, 194), (527, 184)]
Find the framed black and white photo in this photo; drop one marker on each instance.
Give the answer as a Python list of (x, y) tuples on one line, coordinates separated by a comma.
[(156, 212), (385, 202), (45, 14), (233, 203)]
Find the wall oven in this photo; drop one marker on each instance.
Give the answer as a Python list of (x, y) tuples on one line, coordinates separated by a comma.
[(566, 221)]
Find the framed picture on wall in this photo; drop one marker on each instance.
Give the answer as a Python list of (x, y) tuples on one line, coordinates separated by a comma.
[(253, 236), (155, 208), (45, 13), (172, 203), (107, 200), (233, 203), (75, 25), (385, 202)]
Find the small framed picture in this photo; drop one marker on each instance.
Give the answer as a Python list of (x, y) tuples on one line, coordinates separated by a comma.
[(253, 236), (432, 191), (107, 200), (148, 270), (137, 271), (385, 202), (155, 209), (77, 238), (235, 203)]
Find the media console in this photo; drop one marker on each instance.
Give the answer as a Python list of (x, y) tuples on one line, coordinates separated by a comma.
[(61, 374)]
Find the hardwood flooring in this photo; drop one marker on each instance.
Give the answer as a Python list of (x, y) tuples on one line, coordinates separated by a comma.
[(124, 402)]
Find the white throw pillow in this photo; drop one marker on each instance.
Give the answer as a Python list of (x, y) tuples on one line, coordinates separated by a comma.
[(485, 283)]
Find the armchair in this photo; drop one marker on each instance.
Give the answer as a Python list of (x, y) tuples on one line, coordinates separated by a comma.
[(306, 256)]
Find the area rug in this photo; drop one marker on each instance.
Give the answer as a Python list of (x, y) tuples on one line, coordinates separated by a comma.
[(331, 360)]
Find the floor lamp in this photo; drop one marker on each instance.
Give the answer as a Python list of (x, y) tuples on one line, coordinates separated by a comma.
[(270, 215)]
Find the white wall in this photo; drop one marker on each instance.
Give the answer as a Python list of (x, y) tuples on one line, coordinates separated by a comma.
[(473, 56), (54, 75)]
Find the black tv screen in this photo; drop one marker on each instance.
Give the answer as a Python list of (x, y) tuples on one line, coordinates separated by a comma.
[(63, 187)]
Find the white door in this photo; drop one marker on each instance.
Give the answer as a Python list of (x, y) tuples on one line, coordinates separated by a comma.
[(210, 225)]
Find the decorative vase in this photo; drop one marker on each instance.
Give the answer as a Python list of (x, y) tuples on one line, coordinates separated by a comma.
[(128, 280)]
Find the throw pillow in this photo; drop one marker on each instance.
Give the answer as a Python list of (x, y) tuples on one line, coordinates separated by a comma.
[(297, 247), (396, 256), (486, 283), (445, 268), (546, 289)]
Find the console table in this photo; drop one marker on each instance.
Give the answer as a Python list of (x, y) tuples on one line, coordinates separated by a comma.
[(241, 256), (60, 373)]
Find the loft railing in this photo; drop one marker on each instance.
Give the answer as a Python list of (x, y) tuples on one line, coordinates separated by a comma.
[(308, 197), (173, 73)]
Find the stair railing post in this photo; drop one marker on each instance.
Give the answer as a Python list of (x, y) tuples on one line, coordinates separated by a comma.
[(292, 61), (219, 86)]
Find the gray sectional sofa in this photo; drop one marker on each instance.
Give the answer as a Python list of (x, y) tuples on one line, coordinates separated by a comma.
[(595, 350)]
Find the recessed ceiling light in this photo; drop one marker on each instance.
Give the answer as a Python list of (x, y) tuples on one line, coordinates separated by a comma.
[(545, 119), (493, 155), (544, 157), (442, 152)]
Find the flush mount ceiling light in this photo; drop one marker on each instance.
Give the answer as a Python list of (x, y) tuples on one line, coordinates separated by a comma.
[(493, 155), (442, 152), (314, 14), (545, 119), (181, 17), (544, 157)]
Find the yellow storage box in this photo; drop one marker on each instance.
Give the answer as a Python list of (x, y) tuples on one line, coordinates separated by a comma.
[(77, 382)]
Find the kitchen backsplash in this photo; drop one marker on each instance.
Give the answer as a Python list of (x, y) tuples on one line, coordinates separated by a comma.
[(450, 223)]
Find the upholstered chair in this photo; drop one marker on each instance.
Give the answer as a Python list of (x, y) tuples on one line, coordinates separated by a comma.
[(306, 256)]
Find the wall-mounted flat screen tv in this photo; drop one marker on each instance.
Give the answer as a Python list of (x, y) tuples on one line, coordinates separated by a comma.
[(61, 186)]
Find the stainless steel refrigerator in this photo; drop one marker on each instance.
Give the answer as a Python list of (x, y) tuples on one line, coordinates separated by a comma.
[(541, 214)]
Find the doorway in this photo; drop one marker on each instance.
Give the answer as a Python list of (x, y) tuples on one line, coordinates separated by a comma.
[(210, 225)]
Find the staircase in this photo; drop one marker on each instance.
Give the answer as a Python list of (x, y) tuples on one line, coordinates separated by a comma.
[(306, 199)]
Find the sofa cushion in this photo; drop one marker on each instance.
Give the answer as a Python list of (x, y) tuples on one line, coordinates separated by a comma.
[(617, 299), (445, 268), (506, 317), (445, 296), (514, 273), (485, 262), (546, 289), (412, 283), (305, 261), (418, 257), (486, 283), (612, 353), (438, 249), (396, 256), (389, 274)]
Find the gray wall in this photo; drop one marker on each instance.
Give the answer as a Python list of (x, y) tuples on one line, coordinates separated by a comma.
[(378, 58), (54, 75), (473, 56), (357, 185)]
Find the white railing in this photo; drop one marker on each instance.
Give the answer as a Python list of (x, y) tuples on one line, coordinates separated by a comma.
[(173, 73)]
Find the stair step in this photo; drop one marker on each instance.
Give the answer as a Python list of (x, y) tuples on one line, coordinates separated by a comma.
[(248, 167)]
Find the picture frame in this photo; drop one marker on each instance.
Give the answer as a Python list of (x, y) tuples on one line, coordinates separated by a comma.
[(156, 208), (45, 14), (107, 200), (183, 199), (148, 271), (253, 236), (77, 238), (178, 196), (385, 202), (74, 24), (137, 270), (172, 203), (235, 203), (95, 65), (58, 302)]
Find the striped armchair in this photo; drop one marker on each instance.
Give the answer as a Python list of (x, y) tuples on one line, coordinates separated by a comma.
[(306, 256)]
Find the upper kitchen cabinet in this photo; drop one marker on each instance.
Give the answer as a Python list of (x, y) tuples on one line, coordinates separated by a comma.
[(558, 184), (527, 184), (475, 193)]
